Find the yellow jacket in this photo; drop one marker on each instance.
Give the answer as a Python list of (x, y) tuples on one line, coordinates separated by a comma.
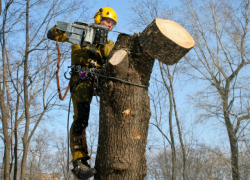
[(78, 56)]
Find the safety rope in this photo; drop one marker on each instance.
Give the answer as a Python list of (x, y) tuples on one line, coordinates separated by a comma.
[(57, 71), (68, 143), (109, 77)]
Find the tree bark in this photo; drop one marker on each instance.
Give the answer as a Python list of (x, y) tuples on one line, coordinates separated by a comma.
[(124, 113)]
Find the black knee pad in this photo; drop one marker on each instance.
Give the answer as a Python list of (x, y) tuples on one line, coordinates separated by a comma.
[(81, 123)]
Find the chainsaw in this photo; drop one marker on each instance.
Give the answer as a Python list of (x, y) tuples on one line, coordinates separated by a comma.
[(84, 34)]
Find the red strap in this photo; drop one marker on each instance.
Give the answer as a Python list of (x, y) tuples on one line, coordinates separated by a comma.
[(57, 71)]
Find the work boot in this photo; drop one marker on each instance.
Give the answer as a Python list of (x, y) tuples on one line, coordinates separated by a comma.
[(82, 169)]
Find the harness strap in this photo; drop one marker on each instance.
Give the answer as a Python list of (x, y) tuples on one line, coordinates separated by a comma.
[(118, 79), (78, 147), (57, 71), (77, 138), (79, 68)]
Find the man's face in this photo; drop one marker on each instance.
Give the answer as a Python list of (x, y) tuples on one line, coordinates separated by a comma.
[(108, 23)]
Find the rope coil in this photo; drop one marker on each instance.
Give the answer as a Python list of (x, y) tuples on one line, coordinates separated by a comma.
[(57, 71)]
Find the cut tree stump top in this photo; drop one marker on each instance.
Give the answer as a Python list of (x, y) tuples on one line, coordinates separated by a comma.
[(166, 41), (175, 33)]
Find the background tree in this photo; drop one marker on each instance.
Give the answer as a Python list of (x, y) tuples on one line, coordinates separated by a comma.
[(221, 60), (27, 71), (203, 163)]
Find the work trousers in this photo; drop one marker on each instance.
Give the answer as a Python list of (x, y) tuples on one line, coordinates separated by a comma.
[(81, 96)]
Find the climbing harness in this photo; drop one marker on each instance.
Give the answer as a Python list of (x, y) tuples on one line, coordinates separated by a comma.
[(94, 75), (121, 80)]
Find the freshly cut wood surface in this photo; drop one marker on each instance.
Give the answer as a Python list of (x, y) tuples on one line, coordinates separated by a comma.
[(166, 41), (118, 57), (175, 32), (119, 63)]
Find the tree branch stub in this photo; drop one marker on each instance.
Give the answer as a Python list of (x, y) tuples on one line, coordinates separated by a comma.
[(166, 41)]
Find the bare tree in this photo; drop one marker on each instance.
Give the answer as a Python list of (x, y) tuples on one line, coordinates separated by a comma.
[(221, 60), (27, 71), (5, 95), (47, 155), (203, 163), (165, 72)]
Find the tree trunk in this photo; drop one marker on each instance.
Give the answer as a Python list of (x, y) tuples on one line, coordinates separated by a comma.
[(4, 107), (26, 98), (15, 152), (232, 138), (124, 113), (125, 108), (7, 160), (5, 121), (15, 134), (178, 125)]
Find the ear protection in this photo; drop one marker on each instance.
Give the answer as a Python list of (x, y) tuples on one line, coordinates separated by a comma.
[(98, 16)]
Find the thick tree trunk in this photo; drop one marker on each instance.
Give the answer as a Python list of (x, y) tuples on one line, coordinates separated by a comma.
[(125, 108), (124, 113)]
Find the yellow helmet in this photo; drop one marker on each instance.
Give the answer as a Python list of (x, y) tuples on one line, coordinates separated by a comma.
[(105, 12)]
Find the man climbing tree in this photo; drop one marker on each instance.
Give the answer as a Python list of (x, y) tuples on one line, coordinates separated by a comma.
[(81, 86)]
